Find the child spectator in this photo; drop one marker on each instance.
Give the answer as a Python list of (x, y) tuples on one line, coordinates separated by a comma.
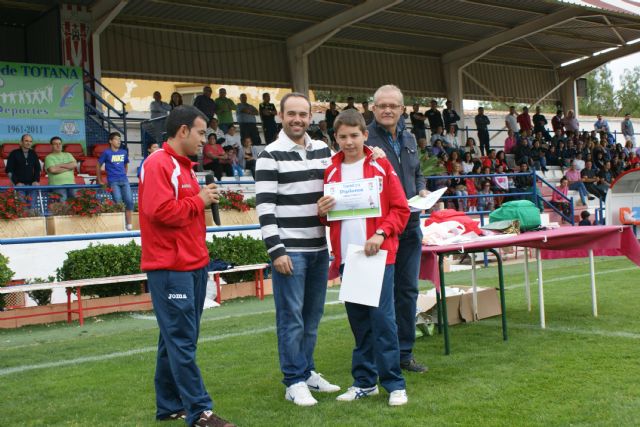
[(116, 161), (584, 218), (560, 202), (376, 355), (153, 147), (459, 187), (486, 203)]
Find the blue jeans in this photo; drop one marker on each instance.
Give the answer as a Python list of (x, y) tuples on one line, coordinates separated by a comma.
[(579, 186), (377, 351), (121, 192), (406, 286), (178, 300), (299, 300), (65, 193)]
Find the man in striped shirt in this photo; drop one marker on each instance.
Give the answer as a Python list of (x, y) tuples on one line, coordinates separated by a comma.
[(289, 182)]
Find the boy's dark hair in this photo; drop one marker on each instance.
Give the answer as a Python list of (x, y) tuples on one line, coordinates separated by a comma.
[(183, 115), (114, 134), (350, 118), (585, 214), (53, 138)]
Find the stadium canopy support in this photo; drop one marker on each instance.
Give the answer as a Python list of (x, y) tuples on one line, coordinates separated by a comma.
[(103, 12)]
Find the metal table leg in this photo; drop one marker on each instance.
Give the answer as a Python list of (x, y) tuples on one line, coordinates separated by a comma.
[(443, 304)]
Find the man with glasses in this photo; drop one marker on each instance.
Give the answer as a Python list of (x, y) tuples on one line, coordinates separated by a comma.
[(387, 132)]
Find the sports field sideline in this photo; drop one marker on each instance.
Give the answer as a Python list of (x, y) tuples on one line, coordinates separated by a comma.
[(580, 370)]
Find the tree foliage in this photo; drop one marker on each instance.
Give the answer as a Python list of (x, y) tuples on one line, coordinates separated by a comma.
[(628, 96), (601, 95)]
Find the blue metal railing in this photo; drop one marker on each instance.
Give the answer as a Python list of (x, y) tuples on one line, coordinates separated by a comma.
[(100, 111)]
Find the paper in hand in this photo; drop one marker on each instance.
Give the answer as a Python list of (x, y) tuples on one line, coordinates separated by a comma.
[(424, 203), (362, 276)]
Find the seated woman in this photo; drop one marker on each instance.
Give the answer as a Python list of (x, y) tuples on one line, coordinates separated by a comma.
[(560, 202), (459, 188)]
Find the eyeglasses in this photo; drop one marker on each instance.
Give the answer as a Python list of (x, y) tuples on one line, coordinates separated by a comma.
[(388, 106)]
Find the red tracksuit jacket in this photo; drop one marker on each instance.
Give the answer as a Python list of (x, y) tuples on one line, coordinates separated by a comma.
[(172, 226), (395, 209)]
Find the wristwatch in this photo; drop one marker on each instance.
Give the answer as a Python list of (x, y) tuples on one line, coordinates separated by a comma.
[(380, 232)]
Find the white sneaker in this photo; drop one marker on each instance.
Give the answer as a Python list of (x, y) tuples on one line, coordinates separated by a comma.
[(398, 398), (128, 227), (355, 393), (316, 383), (299, 394)]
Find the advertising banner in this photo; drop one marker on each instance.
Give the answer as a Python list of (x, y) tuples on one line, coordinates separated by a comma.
[(42, 100)]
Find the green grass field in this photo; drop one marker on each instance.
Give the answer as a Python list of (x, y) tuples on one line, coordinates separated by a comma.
[(580, 371)]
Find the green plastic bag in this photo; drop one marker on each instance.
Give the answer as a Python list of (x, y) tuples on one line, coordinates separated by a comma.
[(524, 211)]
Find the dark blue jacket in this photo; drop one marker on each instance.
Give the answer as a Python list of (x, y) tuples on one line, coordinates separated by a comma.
[(408, 165)]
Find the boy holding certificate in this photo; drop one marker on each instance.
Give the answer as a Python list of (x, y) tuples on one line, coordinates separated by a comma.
[(377, 353)]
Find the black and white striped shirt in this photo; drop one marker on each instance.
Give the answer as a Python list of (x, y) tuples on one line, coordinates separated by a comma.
[(289, 182)]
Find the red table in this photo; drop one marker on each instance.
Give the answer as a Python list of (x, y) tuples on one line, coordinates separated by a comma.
[(564, 242)]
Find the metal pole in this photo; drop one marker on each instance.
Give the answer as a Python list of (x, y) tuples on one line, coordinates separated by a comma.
[(474, 285), (540, 289), (594, 299), (527, 289)]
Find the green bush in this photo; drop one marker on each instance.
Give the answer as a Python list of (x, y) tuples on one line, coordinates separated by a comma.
[(103, 261), (6, 274), (42, 296), (238, 250)]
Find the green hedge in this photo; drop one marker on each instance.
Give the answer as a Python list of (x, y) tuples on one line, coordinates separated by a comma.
[(238, 250), (103, 261), (42, 296), (6, 274)]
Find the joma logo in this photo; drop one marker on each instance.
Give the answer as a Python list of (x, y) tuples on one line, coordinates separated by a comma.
[(177, 296)]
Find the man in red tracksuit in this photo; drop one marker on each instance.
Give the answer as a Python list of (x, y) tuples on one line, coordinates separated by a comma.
[(174, 255), (376, 355)]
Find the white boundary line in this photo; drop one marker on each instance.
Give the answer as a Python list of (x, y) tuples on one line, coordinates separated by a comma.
[(566, 330), (575, 276), (142, 350)]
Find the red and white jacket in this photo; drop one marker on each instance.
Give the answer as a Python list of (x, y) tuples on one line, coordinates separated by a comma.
[(172, 226), (395, 209)]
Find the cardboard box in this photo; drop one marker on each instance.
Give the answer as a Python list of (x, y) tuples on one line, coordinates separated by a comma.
[(460, 307)]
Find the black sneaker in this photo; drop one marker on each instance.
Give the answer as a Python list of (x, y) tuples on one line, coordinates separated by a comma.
[(181, 415), (209, 419), (412, 366)]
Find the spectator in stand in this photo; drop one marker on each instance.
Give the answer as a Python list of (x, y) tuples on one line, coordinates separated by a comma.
[(482, 125), (205, 104), (450, 116), (511, 120), (584, 219), (350, 104), (557, 122), (268, 115), (627, 129), (232, 138), (487, 203), (501, 160), (490, 160), (23, 167), (598, 160), (576, 184), (330, 115), (417, 122), (247, 156), (451, 142), (176, 100), (500, 184), (436, 148), (423, 147), (322, 134), (60, 167), (214, 129), (224, 107), (470, 147), (477, 170), (538, 157), (551, 157), (152, 148), (467, 163), (522, 152), (606, 175), (246, 116), (540, 124), (459, 186), (601, 126), (212, 156), (434, 117), (633, 161), (366, 113), (578, 162), (524, 120), (438, 133), (116, 162), (524, 183), (510, 143), (617, 166), (158, 107), (591, 182), (570, 123), (454, 159), (561, 203)]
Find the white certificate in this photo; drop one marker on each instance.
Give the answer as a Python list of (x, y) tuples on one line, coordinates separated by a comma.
[(354, 199), (362, 276), (424, 203)]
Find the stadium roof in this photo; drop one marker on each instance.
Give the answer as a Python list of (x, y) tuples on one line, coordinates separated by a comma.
[(505, 49)]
